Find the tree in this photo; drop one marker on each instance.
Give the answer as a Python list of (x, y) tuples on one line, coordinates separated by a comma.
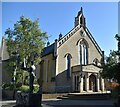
[(118, 39), (111, 68), (111, 71), (25, 43)]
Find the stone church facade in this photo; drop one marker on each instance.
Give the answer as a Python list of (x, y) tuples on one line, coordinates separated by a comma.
[(73, 62)]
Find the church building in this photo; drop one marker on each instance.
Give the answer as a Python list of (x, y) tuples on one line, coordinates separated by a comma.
[(73, 62)]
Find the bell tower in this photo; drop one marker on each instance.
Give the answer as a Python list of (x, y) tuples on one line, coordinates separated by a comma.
[(80, 19)]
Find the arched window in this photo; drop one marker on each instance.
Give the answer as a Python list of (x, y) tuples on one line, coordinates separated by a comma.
[(83, 51), (68, 65)]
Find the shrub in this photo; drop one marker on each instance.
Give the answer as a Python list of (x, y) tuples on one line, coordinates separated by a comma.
[(36, 88), (8, 86), (114, 85), (24, 88), (116, 92)]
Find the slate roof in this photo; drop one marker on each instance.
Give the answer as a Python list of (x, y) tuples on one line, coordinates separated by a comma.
[(47, 50)]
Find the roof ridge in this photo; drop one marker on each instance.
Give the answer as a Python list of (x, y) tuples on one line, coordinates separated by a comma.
[(94, 41), (68, 35)]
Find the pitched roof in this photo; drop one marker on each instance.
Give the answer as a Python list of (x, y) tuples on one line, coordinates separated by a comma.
[(47, 50), (63, 39), (93, 41)]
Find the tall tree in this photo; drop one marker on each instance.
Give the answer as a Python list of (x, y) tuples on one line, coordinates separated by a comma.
[(118, 39), (112, 66), (25, 41)]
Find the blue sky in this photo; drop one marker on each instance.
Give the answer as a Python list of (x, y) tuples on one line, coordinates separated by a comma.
[(58, 17)]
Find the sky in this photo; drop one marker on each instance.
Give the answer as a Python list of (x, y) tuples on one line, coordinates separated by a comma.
[(58, 17)]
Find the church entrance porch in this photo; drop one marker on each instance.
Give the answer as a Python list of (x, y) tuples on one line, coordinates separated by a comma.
[(88, 83), (91, 81)]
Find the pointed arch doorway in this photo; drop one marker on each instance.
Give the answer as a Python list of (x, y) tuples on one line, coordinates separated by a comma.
[(92, 83)]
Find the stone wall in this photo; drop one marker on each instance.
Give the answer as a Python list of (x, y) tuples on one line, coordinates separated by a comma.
[(70, 46), (48, 73)]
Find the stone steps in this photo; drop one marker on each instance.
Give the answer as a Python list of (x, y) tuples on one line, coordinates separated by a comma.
[(97, 96)]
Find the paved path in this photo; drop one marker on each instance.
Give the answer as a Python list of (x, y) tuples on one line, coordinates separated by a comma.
[(66, 102), (80, 103), (8, 103)]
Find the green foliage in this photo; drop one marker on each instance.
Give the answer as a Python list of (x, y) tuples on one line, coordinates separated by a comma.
[(8, 86), (111, 69), (36, 88), (18, 87), (24, 88), (118, 39), (26, 78), (25, 40), (18, 77)]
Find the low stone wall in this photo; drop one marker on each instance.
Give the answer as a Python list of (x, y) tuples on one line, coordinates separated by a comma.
[(7, 94), (50, 96)]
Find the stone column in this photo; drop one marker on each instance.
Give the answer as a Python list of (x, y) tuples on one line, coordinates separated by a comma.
[(87, 83), (98, 85), (102, 84), (81, 85), (73, 82)]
